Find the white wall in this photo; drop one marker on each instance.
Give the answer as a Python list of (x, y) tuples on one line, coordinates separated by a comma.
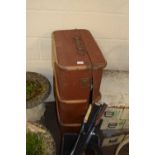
[(106, 19)]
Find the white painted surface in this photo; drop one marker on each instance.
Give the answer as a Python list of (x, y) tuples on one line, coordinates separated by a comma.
[(43, 23), (108, 6)]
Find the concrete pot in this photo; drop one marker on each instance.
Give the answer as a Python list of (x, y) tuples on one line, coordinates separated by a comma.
[(35, 107), (48, 141)]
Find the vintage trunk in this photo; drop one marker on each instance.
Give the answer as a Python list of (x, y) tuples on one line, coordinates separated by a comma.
[(78, 66)]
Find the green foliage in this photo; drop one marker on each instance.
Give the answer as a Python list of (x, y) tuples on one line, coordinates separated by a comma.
[(32, 89), (29, 89), (34, 144)]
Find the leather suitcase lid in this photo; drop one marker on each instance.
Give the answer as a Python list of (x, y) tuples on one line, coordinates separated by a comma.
[(94, 52), (77, 48)]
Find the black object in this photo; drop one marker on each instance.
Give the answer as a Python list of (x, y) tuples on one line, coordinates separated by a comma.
[(91, 120), (87, 132), (69, 140)]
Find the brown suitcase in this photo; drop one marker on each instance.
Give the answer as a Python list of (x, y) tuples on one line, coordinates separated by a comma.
[(70, 113), (78, 66)]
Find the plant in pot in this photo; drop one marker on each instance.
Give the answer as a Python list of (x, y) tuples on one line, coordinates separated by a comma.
[(33, 88), (34, 144), (37, 90), (38, 140)]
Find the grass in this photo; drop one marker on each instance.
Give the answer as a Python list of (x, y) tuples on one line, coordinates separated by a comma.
[(34, 144)]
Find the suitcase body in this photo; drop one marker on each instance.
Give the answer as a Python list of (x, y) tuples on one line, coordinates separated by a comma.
[(70, 113), (78, 66)]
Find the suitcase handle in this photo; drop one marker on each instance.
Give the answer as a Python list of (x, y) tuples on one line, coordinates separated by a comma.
[(79, 45)]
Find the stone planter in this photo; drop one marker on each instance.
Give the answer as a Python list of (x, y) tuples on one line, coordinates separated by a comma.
[(48, 141), (34, 114), (35, 107)]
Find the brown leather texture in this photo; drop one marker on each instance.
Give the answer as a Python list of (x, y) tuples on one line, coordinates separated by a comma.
[(78, 65), (74, 84), (70, 116)]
